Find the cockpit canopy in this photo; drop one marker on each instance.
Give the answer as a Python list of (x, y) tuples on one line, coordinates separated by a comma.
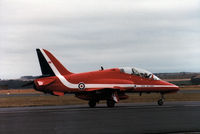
[(138, 72)]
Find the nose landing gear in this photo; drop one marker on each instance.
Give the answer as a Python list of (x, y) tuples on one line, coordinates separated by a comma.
[(161, 100)]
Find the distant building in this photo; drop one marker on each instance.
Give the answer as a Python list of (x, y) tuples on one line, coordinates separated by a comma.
[(195, 79)]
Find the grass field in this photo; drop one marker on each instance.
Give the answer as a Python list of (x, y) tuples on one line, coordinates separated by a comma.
[(19, 101)]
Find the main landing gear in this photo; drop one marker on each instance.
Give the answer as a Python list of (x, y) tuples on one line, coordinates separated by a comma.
[(114, 98), (92, 103), (110, 98), (111, 103), (161, 100)]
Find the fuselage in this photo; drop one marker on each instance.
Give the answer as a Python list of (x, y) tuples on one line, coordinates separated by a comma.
[(109, 78)]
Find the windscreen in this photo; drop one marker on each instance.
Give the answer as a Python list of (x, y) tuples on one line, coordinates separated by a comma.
[(139, 72)]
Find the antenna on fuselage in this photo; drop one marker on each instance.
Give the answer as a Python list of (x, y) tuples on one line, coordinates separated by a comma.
[(102, 68)]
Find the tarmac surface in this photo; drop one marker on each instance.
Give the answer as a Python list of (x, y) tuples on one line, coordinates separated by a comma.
[(173, 117)]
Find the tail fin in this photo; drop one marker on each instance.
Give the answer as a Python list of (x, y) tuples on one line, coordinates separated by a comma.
[(49, 65)]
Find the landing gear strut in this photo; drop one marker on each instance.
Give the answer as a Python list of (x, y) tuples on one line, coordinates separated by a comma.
[(114, 98), (92, 103), (110, 103), (161, 101)]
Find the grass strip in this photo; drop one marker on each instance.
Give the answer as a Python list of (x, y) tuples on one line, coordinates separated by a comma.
[(21, 101)]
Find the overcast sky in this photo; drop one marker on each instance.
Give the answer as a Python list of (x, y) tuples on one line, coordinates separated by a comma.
[(157, 35)]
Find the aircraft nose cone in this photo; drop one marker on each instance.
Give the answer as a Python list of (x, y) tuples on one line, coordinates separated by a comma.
[(170, 86), (175, 88)]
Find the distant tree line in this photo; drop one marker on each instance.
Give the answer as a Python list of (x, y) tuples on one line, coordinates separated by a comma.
[(13, 84), (181, 75), (16, 83)]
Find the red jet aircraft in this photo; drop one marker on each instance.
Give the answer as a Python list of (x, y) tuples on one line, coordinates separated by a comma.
[(109, 84)]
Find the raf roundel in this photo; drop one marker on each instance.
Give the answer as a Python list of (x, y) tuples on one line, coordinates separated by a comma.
[(81, 86)]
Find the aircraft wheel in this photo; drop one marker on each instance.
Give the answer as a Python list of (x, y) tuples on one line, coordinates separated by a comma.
[(110, 103), (160, 102), (92, 103)]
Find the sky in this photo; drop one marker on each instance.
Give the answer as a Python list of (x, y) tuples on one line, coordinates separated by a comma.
[(157, 35)]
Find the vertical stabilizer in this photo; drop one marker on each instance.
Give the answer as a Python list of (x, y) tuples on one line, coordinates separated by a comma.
[(49, 65)]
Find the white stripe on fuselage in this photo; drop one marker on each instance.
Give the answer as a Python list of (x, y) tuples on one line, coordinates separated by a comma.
[(66, 83)]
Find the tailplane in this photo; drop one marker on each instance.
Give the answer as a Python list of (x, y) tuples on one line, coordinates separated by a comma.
[(49, 65)]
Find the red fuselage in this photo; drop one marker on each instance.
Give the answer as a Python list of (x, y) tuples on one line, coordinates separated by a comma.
[(108, 76)]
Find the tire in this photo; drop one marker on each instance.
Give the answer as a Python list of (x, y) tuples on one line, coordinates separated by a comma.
[(110, 103), (92, 103), (160, 102)]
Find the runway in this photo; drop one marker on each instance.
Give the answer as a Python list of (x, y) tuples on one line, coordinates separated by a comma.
[(131, 118)]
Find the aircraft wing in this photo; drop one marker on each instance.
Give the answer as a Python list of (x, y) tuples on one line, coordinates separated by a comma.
[(115, 84)]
